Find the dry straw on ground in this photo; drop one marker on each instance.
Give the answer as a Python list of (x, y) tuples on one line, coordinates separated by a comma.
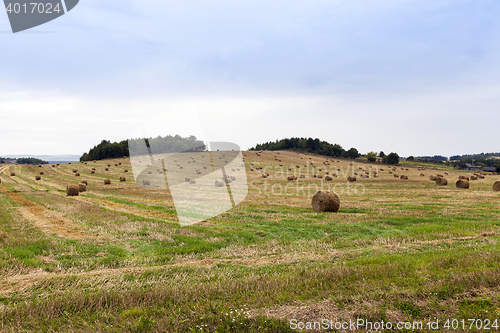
[(72, 190), (325, 201)]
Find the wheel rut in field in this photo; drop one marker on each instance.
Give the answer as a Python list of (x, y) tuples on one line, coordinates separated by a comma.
[(47, 220)]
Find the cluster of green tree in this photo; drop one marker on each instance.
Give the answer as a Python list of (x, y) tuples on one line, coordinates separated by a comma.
[(28, 160), (310, 145), (316, 146), (475, 157), (167, 144), (31, 160)]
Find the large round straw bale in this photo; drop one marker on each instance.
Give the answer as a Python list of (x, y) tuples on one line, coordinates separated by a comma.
[(75, 171), (462, 183), (126, 170), (77, 174), (122, 179), (464, 178), (480, 176), (69, 162), (84, 182), (192, 181), (328, 178), (496, 186), (302, 176), (325, 201), (92, 172), (289, 178), (106, 169), (440, 176), (109, 165), (146, 182), (473, 178), (433, 178), (107, 181), (404, 177), (12, 174), (120, 163), (82, 187), (219, 183), (422, 175), (42, 173), (351, 179), (187, 179), (38, 178), (72, 190), (441, 181)]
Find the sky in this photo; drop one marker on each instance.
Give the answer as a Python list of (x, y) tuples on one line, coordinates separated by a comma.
[(415, 77)]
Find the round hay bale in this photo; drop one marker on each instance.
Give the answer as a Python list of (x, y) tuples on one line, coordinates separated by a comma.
[(464, 178), (120, 163), (480, 176), (433, 178), (12, 174), (473, 178), (192, 181), (264, 176), (107, 181), (320, 176), (441, 181), (146, 182), (109, 165), (93, 169), (219, 183), (82, 187), (122, 179), (351, 179), (325, 201), (422, 175), (84, 182), (106, 169), (72, 190), (38, 178), (77, 174), (69, 162), (42, 173), (462, 183), (496, 186), (440, 176), (289, 178), (302, 176), (53, 165), (58, 164), (187, 179), (404, 177), (328, 178), (125, 170), (75, 171), (92, 172)]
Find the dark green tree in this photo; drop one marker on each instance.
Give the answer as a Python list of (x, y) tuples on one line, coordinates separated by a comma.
[(410, 158), (381, 154), (351, 153), (392, 158)]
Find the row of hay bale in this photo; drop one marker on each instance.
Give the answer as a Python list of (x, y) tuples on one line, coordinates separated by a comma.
[(71, 189)]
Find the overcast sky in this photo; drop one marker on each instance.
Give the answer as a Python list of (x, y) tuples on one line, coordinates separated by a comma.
[(415, 77)]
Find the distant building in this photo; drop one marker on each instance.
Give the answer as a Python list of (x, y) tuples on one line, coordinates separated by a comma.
[(10, 161), (479, 168)]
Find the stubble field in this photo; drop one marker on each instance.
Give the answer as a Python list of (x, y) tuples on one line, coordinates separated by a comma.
[(115, 259)]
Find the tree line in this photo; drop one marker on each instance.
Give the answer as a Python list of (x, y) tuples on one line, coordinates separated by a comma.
[(167, 144), (316, 146), (24, 160)]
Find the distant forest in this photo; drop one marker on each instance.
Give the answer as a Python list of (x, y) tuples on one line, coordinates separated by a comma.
[(27, 160), (310, 145), (167, 144)]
